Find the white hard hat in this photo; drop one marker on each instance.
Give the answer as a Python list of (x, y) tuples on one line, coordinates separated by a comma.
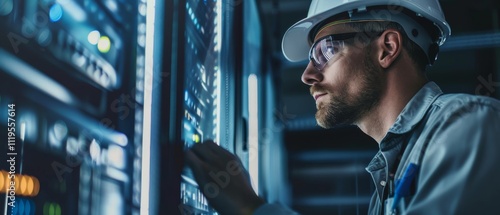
[(296, 42)]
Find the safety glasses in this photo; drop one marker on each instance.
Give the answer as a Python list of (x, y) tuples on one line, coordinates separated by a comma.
[(326, 47)]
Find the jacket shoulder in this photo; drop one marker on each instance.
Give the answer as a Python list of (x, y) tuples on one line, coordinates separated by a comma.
[(449, 104)]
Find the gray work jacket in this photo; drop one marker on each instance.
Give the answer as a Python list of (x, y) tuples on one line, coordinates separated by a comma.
[(454, 141)]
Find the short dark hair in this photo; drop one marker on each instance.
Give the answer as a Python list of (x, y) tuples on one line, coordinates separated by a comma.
[(416, 53)]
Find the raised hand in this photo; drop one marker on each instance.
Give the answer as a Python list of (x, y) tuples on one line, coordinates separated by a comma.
[(222, 179)]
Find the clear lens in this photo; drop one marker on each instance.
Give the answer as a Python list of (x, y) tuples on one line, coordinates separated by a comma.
[(324, 50)]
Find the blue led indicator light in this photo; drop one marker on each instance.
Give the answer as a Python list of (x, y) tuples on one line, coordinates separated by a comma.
[(55, 12)]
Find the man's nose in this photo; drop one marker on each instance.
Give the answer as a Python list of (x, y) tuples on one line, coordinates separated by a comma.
[(311, 75)]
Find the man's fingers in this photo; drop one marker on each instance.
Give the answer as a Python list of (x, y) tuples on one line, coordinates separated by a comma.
[(194, 162), (210, 152), (192, 159), (199, 167), (213, 147), (218, 150), (203, 152), (209, 157)]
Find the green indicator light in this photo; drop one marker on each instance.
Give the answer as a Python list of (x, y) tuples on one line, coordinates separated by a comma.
[(104, 44)]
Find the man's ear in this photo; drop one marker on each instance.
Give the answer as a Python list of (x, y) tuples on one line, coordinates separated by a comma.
[(389, 45)]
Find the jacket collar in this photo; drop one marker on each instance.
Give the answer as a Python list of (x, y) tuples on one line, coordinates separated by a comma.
[(416, 108), (409, 117)]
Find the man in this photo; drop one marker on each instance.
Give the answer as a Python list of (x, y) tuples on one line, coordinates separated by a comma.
[(438, 153)]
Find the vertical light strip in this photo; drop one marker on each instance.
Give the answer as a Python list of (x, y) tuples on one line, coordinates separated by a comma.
[(22, 135), (148, 96), (218, 39), (6, 201), (253, 131), (219, 104), (218, 26)]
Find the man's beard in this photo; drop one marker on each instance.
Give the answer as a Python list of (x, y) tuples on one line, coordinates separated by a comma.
[(346, 109)]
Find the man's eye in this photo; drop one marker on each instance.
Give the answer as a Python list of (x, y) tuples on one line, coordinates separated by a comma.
[(334, 49), (334, 46), (322, 58)]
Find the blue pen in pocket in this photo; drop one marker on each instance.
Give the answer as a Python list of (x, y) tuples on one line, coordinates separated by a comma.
[(403, 184)]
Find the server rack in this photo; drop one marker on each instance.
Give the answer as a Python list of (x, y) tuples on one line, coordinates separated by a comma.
[(202, 98), (73, 79)]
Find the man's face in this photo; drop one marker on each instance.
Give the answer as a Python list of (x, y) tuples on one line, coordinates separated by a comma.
[(349, 86)]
